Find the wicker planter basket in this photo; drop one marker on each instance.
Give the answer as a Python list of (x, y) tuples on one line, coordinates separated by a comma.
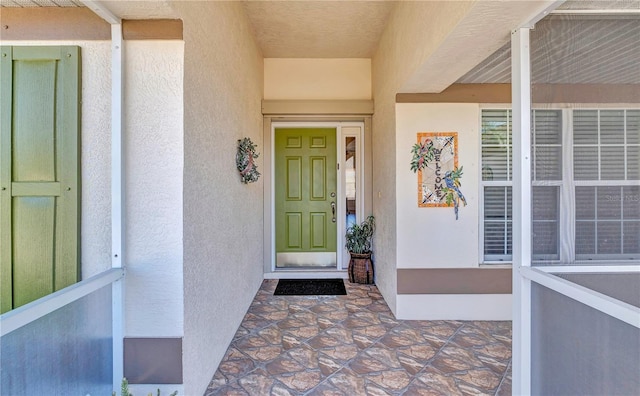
[(361, 268)]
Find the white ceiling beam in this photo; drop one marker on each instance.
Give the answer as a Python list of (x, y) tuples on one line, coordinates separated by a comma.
[(102, 11), (542, 14)]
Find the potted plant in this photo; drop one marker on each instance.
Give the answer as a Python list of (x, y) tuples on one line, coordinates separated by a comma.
[(359, 238)]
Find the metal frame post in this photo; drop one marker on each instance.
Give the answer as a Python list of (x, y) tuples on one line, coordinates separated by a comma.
[(521, 195), (117, 201), (117, 185)]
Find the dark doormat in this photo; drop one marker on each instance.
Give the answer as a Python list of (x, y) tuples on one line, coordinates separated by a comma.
[(310, 287)]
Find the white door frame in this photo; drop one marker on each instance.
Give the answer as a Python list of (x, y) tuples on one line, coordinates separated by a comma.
[(340, 199)]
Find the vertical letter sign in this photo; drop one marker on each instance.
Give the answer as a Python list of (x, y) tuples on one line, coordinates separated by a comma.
[(432, 188)]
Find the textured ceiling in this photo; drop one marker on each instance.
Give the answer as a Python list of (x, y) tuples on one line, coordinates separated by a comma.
[(600, 46), (599, 5), (565, 49), (318, 29), (40, 3), (573, 50), (145, 9), (125, 9), (283, 29)]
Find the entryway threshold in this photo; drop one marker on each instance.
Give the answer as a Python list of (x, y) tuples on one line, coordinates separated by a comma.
[(306, 274)]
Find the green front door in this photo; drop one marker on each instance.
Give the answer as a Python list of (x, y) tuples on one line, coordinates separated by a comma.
[(305, 197), (39, 178)]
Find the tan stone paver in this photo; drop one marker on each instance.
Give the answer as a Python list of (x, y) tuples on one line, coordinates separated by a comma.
[(352, 345)]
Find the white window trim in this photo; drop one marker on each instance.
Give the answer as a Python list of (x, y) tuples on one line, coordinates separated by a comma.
[(343, 254), (482, 184)]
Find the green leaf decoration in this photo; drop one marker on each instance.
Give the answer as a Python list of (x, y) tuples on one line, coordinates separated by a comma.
[(453, 195), (423, 153)]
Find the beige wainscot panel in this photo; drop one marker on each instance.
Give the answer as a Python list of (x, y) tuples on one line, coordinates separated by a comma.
[(324, 79)]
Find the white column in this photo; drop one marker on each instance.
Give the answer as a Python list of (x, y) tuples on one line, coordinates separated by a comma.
[(117, 201), (117, 184), (521, 102)]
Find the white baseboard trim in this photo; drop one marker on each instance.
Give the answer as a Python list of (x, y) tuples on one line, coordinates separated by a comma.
[(453, 306)]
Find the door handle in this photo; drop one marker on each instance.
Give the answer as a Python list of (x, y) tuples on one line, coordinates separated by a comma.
[(333, 211)]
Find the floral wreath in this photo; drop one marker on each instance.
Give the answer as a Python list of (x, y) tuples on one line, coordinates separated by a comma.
[(245, 161)]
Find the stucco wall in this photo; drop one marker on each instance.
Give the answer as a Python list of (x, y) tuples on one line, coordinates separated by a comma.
[(223, 86), (153, 130), (413, 32), (95, 159), (431, 237), (317, 79)]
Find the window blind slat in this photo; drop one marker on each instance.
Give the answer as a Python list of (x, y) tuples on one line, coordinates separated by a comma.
[(496, 127), (545, 212), (545, 202), (545, 238), (494, 163), (585, 203), (612, 163), (633, 163), (609, 203), (585, 238), (585, 127), (547, 125), (497, 221), (495, 237), (585, 163), (548, 163), (612, 127), (631, 241), (633, 126), (609, 239), (495, 202), (631, 203)]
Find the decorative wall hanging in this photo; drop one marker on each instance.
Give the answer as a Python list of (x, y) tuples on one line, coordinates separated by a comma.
[(452, 193), (435, 159), (245, 161)]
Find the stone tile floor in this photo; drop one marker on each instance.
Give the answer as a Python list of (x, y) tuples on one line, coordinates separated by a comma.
[(352, 345)]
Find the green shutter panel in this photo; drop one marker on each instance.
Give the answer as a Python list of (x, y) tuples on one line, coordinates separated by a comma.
[(39, 157), (6, 301)]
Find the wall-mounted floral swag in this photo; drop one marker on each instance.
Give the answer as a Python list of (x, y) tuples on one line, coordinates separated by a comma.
[(245, 161)]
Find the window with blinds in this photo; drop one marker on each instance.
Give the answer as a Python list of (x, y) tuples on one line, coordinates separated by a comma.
[(546, 183), (496, 179), (588, 209), (606, 145), (546, 138)]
